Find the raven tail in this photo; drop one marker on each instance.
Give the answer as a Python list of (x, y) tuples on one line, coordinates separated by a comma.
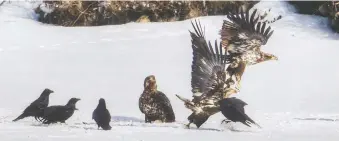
[(23, 115), (107, 127)]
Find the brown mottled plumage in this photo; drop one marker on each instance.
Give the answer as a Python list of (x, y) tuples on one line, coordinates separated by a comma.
[(243, 37), (155, 104)]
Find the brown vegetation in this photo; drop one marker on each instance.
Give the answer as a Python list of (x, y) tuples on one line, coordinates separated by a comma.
[(323, 8), (94, 13)]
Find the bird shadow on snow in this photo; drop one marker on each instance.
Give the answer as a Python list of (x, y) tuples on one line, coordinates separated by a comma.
[(123, 121), (126, 119), (235, 128), (329, 118), (318, 119)]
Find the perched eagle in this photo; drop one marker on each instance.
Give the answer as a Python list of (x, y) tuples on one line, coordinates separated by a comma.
[(243, 37), (155, 104), (211, 79)]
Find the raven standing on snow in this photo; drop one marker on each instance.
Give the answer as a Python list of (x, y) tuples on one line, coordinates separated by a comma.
[(102, 116), (59, 113), (155, 104), (37, 106), (233, 110)]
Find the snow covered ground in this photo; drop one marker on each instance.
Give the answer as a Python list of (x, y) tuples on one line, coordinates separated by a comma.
[(285, 97)]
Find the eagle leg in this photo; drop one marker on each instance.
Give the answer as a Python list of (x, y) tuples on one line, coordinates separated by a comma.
[(147, 119), (188, 125)]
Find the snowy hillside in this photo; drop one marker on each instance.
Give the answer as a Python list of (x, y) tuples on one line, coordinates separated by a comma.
[(285, 97)]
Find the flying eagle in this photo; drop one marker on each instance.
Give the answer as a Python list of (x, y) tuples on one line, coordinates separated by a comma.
[(211, 79), (243, 37), (155, 104)]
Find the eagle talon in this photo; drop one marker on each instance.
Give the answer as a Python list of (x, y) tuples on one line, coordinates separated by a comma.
[(188, 125)]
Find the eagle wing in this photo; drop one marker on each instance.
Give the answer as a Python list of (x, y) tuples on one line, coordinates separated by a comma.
[(141, 105), (165, 104), (243, 32), (206, 61)]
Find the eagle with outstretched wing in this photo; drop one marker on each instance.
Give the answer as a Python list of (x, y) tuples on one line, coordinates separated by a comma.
[(210, 74), (242, 35)]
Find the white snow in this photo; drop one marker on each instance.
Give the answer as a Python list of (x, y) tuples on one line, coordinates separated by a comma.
[(285, 97)]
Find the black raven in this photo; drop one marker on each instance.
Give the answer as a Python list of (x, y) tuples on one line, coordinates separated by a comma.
[(59, 113), (36, 106), (155, 104), (233, 109), (102, 116)]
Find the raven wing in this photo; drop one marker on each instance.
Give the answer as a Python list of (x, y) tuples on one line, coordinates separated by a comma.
[(94, 114), (207, 62), (238, 104), (243, 32), (233, 102)]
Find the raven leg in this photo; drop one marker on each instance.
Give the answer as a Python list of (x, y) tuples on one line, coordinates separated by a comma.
[(245, 123), (37, 118), (226, 121), (46, 121)]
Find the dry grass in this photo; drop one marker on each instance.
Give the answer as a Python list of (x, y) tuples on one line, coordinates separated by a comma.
[(94, 13)]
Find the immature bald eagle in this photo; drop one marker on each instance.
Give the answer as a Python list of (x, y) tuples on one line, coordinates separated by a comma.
[(155, 104), (243, 37), (211, 79)]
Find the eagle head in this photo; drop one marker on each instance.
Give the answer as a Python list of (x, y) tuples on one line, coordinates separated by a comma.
[(150, 83), (267, 57)]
